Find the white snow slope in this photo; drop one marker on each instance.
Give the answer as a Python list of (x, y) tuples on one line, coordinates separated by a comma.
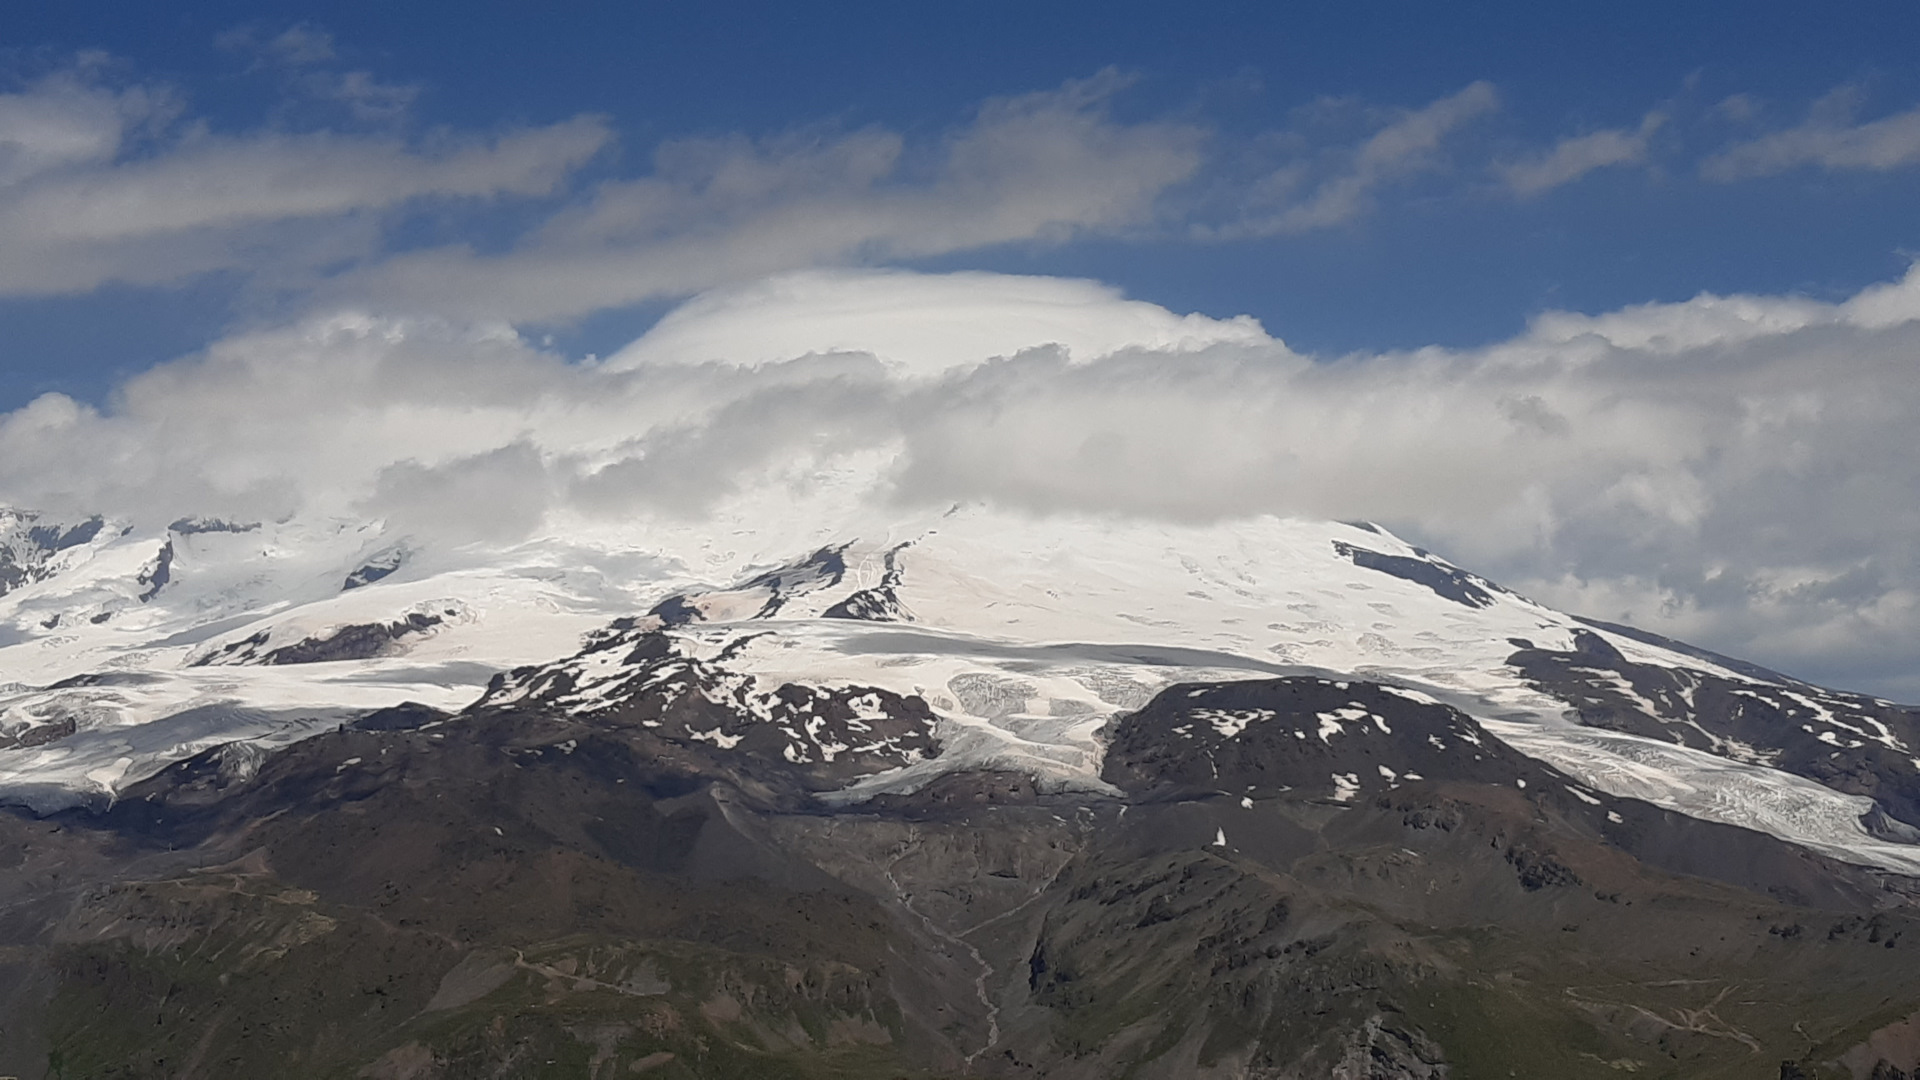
[(140, 646)]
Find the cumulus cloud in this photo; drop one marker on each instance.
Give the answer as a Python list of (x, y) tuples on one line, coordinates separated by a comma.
[(1037, 167), (1734, 470), (1829, 138), (495, 495), (1575, 156), (96, 187), (1747, 484)]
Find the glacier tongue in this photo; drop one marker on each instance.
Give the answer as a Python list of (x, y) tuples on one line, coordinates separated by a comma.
[(1023, 635)]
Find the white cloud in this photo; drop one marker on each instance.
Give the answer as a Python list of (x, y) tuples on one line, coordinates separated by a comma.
[(302, 44), (303, 54), (90, 192), (367, 99), (101, 185), (1351, 177), (495, 495), (219, 183), (1575, 156), (299, 45), (922, 324), (1040, 167), (1828, 138), (65, 121), (1737, 471)]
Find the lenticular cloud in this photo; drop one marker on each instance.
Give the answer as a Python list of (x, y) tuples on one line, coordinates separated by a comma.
[(925, 324), (1735, 470)]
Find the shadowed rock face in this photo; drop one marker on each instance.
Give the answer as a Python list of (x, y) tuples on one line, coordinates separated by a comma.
[(156, 574), (1449, 582), (772, 590), (1298, 878), (378, 568), (39, 735), (24, 557), (880, 603), (359, 641), (193, 526)]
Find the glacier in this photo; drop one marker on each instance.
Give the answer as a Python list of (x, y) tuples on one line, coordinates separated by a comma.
[(125, 647)]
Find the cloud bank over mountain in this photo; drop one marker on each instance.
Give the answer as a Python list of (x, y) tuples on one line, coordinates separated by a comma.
[(1735, 470), (1738, 471)]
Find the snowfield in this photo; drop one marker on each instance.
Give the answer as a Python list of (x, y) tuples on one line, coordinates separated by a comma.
[(133, 647)]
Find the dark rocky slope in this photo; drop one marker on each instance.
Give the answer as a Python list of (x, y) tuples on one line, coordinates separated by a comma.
[(1293, 878), (1848, 742)]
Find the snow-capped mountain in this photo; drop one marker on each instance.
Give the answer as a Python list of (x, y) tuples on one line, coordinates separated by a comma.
[(887, 655), (958, 793)]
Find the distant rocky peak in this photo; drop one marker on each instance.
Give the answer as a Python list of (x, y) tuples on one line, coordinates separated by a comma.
[(821, 585), (31, 543)]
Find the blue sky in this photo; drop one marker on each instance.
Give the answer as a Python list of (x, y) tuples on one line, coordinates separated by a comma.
[(1612, 302), (1444, 253)]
